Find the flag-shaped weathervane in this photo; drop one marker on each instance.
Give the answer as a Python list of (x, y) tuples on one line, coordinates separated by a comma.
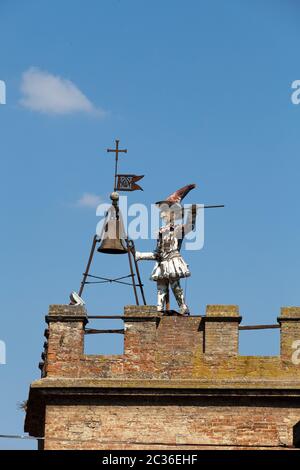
[(124, 182), (128, 182)]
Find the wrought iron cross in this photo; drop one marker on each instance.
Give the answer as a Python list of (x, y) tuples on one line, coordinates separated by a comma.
[(116, 151)]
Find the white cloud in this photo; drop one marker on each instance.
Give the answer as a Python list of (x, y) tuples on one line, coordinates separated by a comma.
[(51, 94), (88, 200)]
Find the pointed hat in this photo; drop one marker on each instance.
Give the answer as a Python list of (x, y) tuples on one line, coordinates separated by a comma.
[(177, 196)]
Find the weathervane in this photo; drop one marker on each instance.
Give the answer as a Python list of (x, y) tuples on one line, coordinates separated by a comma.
[(116, 151), (124, 182), (113, 239)]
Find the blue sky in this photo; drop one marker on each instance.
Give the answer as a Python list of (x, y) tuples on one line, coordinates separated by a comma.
[(197, 91)]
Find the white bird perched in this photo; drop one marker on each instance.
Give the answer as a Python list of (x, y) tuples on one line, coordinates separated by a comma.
[(75, 299)]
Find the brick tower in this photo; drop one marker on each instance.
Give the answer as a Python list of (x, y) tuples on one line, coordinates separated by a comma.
[(180, 384)]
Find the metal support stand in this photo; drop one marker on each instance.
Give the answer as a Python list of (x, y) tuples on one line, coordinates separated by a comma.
[(132, 248), (131, 253), (86, 273), (131, 271)]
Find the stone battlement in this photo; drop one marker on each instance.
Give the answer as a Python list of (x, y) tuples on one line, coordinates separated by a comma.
[(180, 383), (172, 347)]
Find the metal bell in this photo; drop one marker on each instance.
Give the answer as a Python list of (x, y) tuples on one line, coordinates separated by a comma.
[(111, 242)]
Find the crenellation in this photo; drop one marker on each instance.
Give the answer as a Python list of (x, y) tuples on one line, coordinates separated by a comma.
[(182, 376)]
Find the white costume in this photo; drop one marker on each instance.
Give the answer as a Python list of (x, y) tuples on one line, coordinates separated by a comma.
[(170, 264), (170, 267)]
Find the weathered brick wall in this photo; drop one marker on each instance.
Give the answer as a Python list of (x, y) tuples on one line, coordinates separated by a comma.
[(221, 329), (65, 346), (169, 426), (180, 383), (161, 347)]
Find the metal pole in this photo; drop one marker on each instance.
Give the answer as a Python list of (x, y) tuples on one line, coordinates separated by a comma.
[(85, 274), (116, 151), (168, 299), (116, 164), (132, 273), (131, 242)]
